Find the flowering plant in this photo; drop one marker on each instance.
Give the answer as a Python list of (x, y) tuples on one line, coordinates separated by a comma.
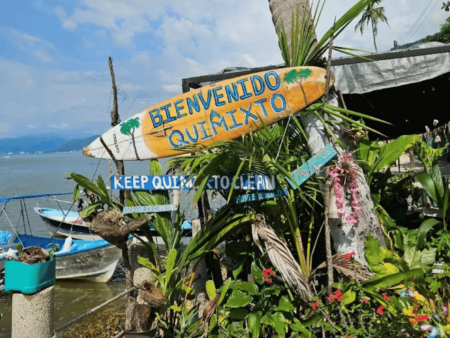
[(345, 178)]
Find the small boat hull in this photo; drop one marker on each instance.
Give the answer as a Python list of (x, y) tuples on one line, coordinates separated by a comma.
[(66, 223), (93, 261)]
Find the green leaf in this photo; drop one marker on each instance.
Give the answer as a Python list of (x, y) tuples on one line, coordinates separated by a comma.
[(257, 273), (280, 323), (285, 305), (90, 209), (102, 186), (376, 256), (390, 152), (211, 289), (87, 184), (423, 230), (428, 185), (76, 194), (349, 297), (171, 258), (145, 262), (224, 290), (238, 270), (254, 324), (239, 314), (267, 320), (238, 299), (176, 308), (390, 280), (213, 322), (299, 327), (250, 287)]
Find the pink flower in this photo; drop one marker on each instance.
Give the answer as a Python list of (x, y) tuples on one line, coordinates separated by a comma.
[(425, 327)]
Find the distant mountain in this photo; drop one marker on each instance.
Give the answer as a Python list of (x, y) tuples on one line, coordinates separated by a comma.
[(75, 144), (44, 143)]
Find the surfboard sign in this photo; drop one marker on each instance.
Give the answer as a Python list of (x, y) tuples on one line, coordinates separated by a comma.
[(221, 111)]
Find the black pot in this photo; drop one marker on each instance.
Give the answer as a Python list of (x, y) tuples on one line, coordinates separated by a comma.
[(149, 333)]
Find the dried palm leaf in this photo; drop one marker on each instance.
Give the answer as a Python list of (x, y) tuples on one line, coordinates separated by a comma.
[(348, 268), (280, 256), (209, 310)]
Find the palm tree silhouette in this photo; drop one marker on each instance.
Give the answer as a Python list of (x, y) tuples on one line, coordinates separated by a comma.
[(372, 15), (128, 128), (298, 76)]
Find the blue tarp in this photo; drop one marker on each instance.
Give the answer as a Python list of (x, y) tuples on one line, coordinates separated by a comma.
[(6, 199)]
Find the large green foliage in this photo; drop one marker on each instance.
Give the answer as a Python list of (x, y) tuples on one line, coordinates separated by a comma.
[(443, 35)]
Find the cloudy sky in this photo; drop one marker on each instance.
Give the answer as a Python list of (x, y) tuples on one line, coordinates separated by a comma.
[(54, 74)]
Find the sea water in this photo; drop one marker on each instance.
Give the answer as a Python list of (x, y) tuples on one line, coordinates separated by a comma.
[(46, 173)]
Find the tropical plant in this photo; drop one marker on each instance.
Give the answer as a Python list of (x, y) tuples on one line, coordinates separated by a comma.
[(99, 189), (372, 15), (444, 33), (128, 128)]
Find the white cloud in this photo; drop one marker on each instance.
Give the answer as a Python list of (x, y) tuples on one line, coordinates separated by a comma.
[(41, 49), (62, 125), (5, 128), (30, 126), (41, 55), (172, 88)]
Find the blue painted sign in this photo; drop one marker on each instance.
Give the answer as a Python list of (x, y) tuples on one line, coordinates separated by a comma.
[(259, 196), (313, 165), (183, 182), (149, 208)]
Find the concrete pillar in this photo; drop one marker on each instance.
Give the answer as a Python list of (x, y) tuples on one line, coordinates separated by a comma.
[(32, 315), (140, 273)]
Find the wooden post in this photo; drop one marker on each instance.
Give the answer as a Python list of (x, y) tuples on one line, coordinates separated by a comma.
[(201, 275), (115, 120)]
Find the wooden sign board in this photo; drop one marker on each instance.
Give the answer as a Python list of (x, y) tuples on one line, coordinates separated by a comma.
[(184, 182), (313, 165), (149, 209), (259, 196), (217, 112)]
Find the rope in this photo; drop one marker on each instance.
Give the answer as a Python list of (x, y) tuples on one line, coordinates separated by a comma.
[(59, 226), (12, 226), (282, 140), (28, 219)]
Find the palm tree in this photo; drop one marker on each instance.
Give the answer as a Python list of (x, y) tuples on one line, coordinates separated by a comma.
[(128, 128), (372, 15), (295, 23)]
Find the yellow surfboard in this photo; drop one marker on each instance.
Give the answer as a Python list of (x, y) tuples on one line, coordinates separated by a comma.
[(221, 111)]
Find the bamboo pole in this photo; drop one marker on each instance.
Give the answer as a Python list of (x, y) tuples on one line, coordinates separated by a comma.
[(95, 309)]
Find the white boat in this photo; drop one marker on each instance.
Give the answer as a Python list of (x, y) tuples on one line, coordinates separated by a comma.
[(94, 261), (67, 223)]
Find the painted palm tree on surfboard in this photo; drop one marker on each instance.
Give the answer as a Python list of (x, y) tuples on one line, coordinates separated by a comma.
[(298, 76), (128, 128)]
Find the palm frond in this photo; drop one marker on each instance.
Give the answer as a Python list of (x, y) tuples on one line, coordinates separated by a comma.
[(280, 256)]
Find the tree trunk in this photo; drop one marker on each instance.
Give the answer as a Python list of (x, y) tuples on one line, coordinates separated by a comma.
[(374, 37), (346, 238), (282, 11)]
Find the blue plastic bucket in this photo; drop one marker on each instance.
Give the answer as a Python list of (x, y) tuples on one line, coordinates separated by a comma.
[(29, 279)]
